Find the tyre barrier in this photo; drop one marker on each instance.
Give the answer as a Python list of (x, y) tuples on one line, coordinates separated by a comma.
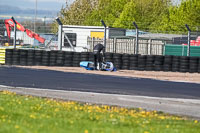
[(184, 64), (117, 60), (60, 58), (91, 56), (198, 68), (2, 56), (45, 58), (167, 65), (8, 56), (109, 57), (158, 64), (84, 56), (52, 58), (121, 61), (16, 57), (76, 59), (133, 60), (125, 61), (38, 58), (175, 63), (142, 62), (68, 59), (193, 64), (30, 58), (150, 62), (23, 57)]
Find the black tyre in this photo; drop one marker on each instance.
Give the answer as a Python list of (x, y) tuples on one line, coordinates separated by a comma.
[(38, 63), (38, 53), (8, 56), (8, 61), (133, 68), (76, 59), (125, 67), (15, 62), (68, 56), (16, 51), (158, 68), (59, 62), (68, 65), (133, 57), (30, 63)]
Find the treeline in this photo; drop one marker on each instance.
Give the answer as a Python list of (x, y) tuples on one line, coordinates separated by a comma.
[(150, 15)]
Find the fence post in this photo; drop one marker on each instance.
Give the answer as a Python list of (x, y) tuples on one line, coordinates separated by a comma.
[(162, 49), (137, 45), (133, 43), (59, 34), (147, 47), (15, 32), (115, 45), (189, 34), (183, 50), (163, 52), (108, 45), (92, 44), (150, 47), (103, 23)]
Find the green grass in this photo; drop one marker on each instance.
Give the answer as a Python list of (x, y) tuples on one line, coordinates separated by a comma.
[(26, 114)]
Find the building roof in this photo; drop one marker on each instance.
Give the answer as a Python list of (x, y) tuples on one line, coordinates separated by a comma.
[(89, 27)]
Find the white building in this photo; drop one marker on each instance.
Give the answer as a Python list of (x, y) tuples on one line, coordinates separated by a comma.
[(78, 35)]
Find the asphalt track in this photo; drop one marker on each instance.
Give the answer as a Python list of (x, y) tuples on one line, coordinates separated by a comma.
[(48, 79)]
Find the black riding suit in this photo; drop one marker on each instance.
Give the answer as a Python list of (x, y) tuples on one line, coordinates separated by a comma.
[(97, 56)]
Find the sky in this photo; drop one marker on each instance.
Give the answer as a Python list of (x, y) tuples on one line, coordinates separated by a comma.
[(53, 6), (41, 4)]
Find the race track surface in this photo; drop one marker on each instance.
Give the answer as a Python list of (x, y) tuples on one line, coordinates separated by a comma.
[(48, 79)]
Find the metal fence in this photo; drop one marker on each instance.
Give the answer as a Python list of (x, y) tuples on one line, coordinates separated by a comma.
[(179, 45), (116, 45)]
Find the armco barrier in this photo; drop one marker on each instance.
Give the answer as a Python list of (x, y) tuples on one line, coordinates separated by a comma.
[(2, 55), (120, 61)]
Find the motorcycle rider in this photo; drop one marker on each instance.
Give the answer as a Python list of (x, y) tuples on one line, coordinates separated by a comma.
[(97, 55)]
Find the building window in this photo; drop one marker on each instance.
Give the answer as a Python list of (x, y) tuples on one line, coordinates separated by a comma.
[(72, 39)]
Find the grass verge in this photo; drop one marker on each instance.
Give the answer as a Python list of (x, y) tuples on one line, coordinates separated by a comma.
[(24, 114)]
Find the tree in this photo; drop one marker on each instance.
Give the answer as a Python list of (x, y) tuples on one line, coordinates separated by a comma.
[(127, 16), (159, 18), (159, 15), (144, 12), (188, 12), (77, 12), (108, 10), (149, 11), (193, 14)]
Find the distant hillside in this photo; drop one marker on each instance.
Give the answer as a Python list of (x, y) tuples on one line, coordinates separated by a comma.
[(6, 9)]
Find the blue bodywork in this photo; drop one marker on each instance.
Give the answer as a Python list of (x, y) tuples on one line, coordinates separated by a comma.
[(89, 65)]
